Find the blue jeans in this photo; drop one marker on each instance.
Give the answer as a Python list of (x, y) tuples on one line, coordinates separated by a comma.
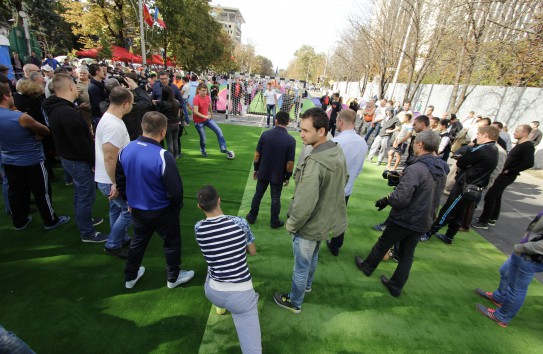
[(516, 274), (84, 194), (306, 256), (376, 128), (185, 111), (10, 343), (120, 219), (211, 124), (270, 109)]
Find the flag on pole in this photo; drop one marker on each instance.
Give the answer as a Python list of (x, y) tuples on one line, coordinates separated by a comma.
[(147, 16), (158, 18)]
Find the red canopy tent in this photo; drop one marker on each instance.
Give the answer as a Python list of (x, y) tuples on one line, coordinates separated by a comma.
[(122, 54), (89, 53)]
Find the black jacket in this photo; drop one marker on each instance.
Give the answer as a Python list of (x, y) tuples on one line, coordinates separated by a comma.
[(415, 200), (97, 94), (71, 133), (476, 166), (142, 105), (274, 156)]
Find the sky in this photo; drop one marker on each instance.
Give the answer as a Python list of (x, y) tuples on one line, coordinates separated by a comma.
[(277, 28)]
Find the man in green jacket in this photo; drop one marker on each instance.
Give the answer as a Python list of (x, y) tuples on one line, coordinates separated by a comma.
[(317, 209)]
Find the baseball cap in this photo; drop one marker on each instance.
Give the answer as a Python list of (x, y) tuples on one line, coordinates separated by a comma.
[(46, 68)]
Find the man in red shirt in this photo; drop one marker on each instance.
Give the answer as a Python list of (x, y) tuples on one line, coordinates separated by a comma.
[(203, 118)]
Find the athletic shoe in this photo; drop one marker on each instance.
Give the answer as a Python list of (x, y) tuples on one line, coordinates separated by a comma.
[(480, 225), (69, 184), (394, 256), (492, 222), (204, 154), (487, 295), (120, 252), (488, 312), (220, 311), (308, 290), (385, 281), (183, 277), (130, 284), (97, 237), (282, 300), (61, 221), (380, 227), (378, 163), (362, 266), (425, 237), (445, 239), (28, 220), (97, 221)]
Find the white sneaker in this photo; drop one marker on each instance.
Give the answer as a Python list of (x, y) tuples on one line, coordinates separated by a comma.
[(130, 284), (183, 277)]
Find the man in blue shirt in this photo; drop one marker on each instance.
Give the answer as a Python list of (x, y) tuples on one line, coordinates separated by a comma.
[(354, 148), (23, 161), (52, 62), (148, 179)]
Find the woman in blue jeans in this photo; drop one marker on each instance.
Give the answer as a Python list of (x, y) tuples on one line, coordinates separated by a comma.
[(516, 274)]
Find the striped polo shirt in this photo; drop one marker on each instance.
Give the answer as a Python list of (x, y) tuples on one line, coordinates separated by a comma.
[(223, 240)]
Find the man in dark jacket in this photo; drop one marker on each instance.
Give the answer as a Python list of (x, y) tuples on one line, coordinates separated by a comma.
[(97, 92), (414, 204), (142, 105), (519, 159), (273, 163), (474, 167), (74, 143)]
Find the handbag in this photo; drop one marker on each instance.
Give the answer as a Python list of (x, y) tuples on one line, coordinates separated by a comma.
[(471, 192)]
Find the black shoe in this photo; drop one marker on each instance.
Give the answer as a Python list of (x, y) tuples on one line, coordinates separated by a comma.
[(250, 219), (492, 222), (481, 225), (278, 225), (385, 281), (445, 239), (362, 266), (97, 221), (121, 252), (283, 301), (334, 251)]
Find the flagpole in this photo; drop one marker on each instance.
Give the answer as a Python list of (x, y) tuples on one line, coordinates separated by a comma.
[(142, 34)]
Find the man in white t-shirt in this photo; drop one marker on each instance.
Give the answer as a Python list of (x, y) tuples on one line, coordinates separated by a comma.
[(271, 103), (111, 137)]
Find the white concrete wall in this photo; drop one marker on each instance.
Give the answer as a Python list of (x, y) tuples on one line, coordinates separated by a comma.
[(510, 105)]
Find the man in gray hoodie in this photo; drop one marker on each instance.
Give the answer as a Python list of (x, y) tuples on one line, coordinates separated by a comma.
[(414, 205)]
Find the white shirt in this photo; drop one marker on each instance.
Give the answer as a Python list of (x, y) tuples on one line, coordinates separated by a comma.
[(110, 130), (185, 91), (270, 96), (354, 148), (379, 113)]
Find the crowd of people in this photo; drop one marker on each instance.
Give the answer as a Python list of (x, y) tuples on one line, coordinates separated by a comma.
[(107, 127)]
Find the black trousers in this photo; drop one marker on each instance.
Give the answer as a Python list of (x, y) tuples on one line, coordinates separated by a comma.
[(24, 180), (275, 192), (166, 223), (337, 242), (493, 197), (408, 240), (452, 212)]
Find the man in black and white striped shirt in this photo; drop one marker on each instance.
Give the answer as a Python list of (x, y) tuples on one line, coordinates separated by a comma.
[(224, 241)]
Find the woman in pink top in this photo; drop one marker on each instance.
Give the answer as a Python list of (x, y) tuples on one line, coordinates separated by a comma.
[(203, 117)]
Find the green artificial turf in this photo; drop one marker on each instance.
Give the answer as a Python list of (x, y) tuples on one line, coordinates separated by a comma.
[(63, 296)]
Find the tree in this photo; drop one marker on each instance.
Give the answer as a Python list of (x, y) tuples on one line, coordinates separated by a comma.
[(306, 65), (264, 66)]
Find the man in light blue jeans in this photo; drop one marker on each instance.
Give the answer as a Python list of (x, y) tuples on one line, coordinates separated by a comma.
[(318, 207)]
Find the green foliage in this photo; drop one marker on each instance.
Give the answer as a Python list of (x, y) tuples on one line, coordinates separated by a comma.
[(264, 66), (307, 64)]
